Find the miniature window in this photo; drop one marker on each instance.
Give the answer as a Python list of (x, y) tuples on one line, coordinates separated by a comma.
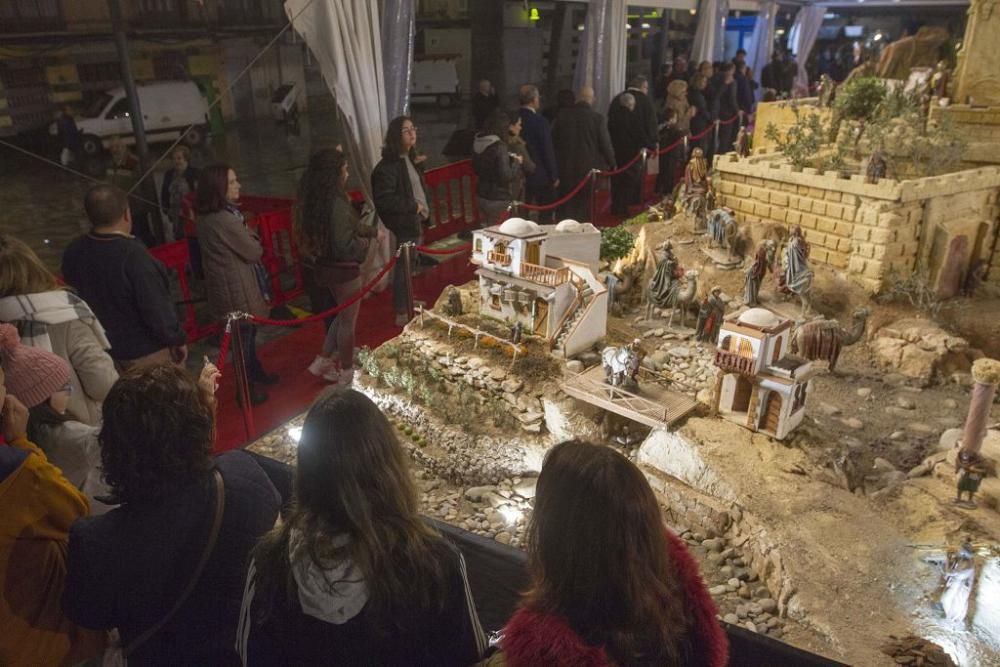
[(495, 301), (800, 398), (479, 245), (746, 349)]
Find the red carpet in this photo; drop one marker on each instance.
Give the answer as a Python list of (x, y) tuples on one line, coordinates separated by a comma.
[(290, 355)]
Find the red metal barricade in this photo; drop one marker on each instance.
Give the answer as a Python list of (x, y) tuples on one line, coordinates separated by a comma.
[(177, 259), (453, 209), (452, 191)]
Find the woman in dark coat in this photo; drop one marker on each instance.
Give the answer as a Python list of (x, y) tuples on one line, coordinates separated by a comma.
[(333, 243), (495, 167), (128, 568), (400, 199), (235, 281)]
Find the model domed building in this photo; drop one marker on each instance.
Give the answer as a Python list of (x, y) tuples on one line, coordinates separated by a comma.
[(545, 278), (759, 384)]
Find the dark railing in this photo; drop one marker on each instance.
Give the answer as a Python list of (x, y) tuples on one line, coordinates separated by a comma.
[(30, 16), (734, 363)]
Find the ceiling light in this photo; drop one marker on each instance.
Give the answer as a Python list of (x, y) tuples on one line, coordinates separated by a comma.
[(645, 26), (693, 11)]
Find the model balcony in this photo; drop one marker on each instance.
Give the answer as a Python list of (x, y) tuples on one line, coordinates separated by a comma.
[(731, 362), (543, 275), (498, 258)]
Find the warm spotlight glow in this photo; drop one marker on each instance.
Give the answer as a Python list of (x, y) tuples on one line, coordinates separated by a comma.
[(510, 514), (295, 433)]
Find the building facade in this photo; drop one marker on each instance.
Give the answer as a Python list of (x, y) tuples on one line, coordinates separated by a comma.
[(58, 52)]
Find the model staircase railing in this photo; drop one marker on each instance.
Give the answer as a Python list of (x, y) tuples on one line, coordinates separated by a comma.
[(584, 298), (543, 275)]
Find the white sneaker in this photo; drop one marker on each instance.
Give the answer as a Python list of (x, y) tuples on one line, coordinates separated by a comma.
[(320, 366)]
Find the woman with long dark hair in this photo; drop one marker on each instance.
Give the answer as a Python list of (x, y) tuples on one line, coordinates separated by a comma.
[(610, 585), (354, 576), (166, 567), (400, 198), (231, 253), (333, 243)]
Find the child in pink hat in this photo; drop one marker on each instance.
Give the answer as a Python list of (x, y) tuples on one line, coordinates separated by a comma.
[(41, 380)]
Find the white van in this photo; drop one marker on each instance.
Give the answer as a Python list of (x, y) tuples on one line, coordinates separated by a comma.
[(434, 79), (168, 109)]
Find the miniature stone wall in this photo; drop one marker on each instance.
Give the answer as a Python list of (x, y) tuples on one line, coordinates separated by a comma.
[(872, 232), (979, 126)]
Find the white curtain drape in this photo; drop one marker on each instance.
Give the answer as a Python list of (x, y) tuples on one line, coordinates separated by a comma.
[(762, 38), (802, 37), (710, 34), (398, 33), (601, 62), (344, 37)]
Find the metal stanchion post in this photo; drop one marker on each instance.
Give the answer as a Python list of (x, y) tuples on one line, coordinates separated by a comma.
[(407, 258), (593, 196), (685, 146), (242, 376), (715, 140)]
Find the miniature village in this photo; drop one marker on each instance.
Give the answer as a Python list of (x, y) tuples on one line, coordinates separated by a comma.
[(801, 360)]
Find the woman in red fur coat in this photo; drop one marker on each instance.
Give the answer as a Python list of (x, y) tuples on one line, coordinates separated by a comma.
[(611, 586)]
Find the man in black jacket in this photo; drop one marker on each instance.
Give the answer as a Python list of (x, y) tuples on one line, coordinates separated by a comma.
[(540, 184), (726, 108), (127, 288), (582, 143), (631, 130)]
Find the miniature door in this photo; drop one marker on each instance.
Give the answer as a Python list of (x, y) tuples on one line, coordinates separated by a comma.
[(771, 416), (533, 253), (541, 315)]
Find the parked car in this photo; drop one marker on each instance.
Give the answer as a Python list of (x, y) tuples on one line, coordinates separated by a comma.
[(168, 109), (435, 79)]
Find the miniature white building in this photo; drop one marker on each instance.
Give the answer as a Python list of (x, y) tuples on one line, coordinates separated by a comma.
[(760, 385), (544, 277)]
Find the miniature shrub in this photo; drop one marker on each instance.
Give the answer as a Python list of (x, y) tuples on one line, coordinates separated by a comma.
[(616, 242)]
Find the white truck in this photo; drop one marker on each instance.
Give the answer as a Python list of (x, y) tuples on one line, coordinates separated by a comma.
[(168, 109), (435, 80)]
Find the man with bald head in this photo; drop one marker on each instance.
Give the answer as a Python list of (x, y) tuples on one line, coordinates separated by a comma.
[(582, 143)]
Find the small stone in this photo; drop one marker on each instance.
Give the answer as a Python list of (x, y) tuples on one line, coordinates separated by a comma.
[(776, 633), (898, 435), (714, 558), (512, 385), (773, 622), (713, 544), (754, 608), (731, 619), (950, 403), (726, 571), (717, 590), (503, 537), (749, 625), (768, 605), (920, 427), (906, 403), (475, 362), (742, 611), (476, 493), (852, 422), (864, 392), (744, 592), (734, 582), (829, 409), (881, 465), (498, 374), (574, 366), (680, 352)]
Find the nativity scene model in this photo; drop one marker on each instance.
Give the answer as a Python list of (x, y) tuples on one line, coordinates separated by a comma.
[(791, 349)]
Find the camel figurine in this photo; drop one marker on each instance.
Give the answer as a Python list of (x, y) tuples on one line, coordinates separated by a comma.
[(684, 297), (620, 284), (824, 339)]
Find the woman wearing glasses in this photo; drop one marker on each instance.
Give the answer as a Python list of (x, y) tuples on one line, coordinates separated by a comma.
[(400, 198)]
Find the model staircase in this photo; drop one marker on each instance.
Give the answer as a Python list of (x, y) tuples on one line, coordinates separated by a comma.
[(586, 295)]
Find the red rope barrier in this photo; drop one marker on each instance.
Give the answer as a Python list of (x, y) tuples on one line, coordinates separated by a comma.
[(548, 207), (708, 130), (664, 151), (332, 311), (622, 169), (443, 251), (224, 348), (729, 121)]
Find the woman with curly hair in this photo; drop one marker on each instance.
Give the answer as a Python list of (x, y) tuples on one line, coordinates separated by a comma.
[(610, 585), (166, 568), (333, 243), (355, 576)]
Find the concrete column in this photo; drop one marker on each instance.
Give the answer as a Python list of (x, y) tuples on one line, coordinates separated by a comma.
[(986, 374)]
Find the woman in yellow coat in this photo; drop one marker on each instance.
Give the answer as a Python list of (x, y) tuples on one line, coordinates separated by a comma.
[(39, 505)]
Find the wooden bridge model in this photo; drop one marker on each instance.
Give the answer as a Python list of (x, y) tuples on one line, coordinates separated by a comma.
[(657, 407)]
